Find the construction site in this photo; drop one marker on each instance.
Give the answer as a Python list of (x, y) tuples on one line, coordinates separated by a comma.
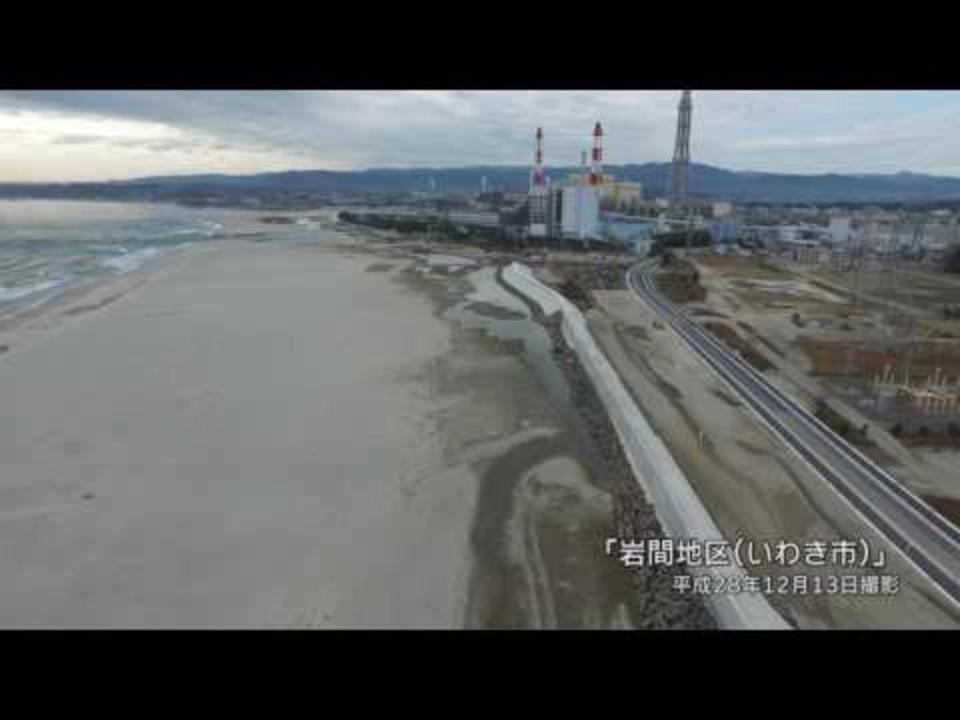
[(865, 337), (873, 355), (868, 333)]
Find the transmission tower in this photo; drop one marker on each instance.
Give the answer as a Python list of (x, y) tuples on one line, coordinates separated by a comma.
[(680, 169), (891, 257), (858, 244)]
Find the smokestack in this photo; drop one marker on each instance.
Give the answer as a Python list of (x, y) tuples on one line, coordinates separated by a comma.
[(538, 192), (596, 167), (536, 178)]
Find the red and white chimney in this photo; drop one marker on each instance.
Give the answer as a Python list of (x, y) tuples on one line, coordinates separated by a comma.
[(596, 166)]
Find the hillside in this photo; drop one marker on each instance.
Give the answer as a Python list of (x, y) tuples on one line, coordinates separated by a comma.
[(706, 181)]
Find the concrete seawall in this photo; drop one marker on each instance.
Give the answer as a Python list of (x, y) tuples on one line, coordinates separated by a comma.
[(677, 506)]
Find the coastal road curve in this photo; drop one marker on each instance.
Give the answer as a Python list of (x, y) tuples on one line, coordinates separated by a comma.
[(927, 540)]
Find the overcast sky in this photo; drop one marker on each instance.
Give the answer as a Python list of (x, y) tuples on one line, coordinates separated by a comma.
[(85, 135)]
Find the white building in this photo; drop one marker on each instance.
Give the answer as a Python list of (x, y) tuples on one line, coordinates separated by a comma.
[(722, 209), (581, 214), (840, 229), (538, 211), (575, 211)]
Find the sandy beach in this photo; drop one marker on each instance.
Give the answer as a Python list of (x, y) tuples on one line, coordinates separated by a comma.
[(269, 435), (219, 447)]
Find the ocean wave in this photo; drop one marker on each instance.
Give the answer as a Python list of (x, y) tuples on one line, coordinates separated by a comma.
[(16, 293), (204, 229), (130, 260)]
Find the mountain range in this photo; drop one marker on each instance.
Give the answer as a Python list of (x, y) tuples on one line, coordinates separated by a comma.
[(706, 182)]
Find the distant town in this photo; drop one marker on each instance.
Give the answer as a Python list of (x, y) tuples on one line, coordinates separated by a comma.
[(816, 219)]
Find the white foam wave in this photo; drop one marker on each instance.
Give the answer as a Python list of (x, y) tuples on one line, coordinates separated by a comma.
[(15, 293), (131, 260)]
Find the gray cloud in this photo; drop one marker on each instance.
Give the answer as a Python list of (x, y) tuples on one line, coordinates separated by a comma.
[(789, 131), (76, 139), (187, 145)]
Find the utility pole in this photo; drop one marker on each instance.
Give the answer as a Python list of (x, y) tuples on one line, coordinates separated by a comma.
[(857, 246), (910, 332)]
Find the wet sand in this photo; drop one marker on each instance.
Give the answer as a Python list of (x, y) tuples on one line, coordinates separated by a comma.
[(544, 504), (259, 435)]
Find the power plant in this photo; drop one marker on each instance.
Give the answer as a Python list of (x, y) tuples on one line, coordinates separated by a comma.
[(571, 209)]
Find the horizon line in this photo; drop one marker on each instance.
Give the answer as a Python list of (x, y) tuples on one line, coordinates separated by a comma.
[(441, 168)]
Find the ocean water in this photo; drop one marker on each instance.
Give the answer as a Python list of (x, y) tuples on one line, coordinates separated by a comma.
[(48, 246)]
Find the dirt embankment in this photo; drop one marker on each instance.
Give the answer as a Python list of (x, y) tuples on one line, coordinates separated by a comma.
[(841, 425), (580, 279), (744, 267), (919, 435), (742, 347), (679, 281), (948, 507)]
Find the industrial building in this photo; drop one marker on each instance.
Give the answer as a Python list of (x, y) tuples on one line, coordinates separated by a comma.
[(583, 178), (614, 195), (622, 195)]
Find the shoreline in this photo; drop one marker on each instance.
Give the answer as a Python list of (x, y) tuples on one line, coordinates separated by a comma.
[(88, 288)]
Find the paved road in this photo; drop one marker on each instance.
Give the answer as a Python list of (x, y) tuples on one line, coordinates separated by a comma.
[(924, 537)]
